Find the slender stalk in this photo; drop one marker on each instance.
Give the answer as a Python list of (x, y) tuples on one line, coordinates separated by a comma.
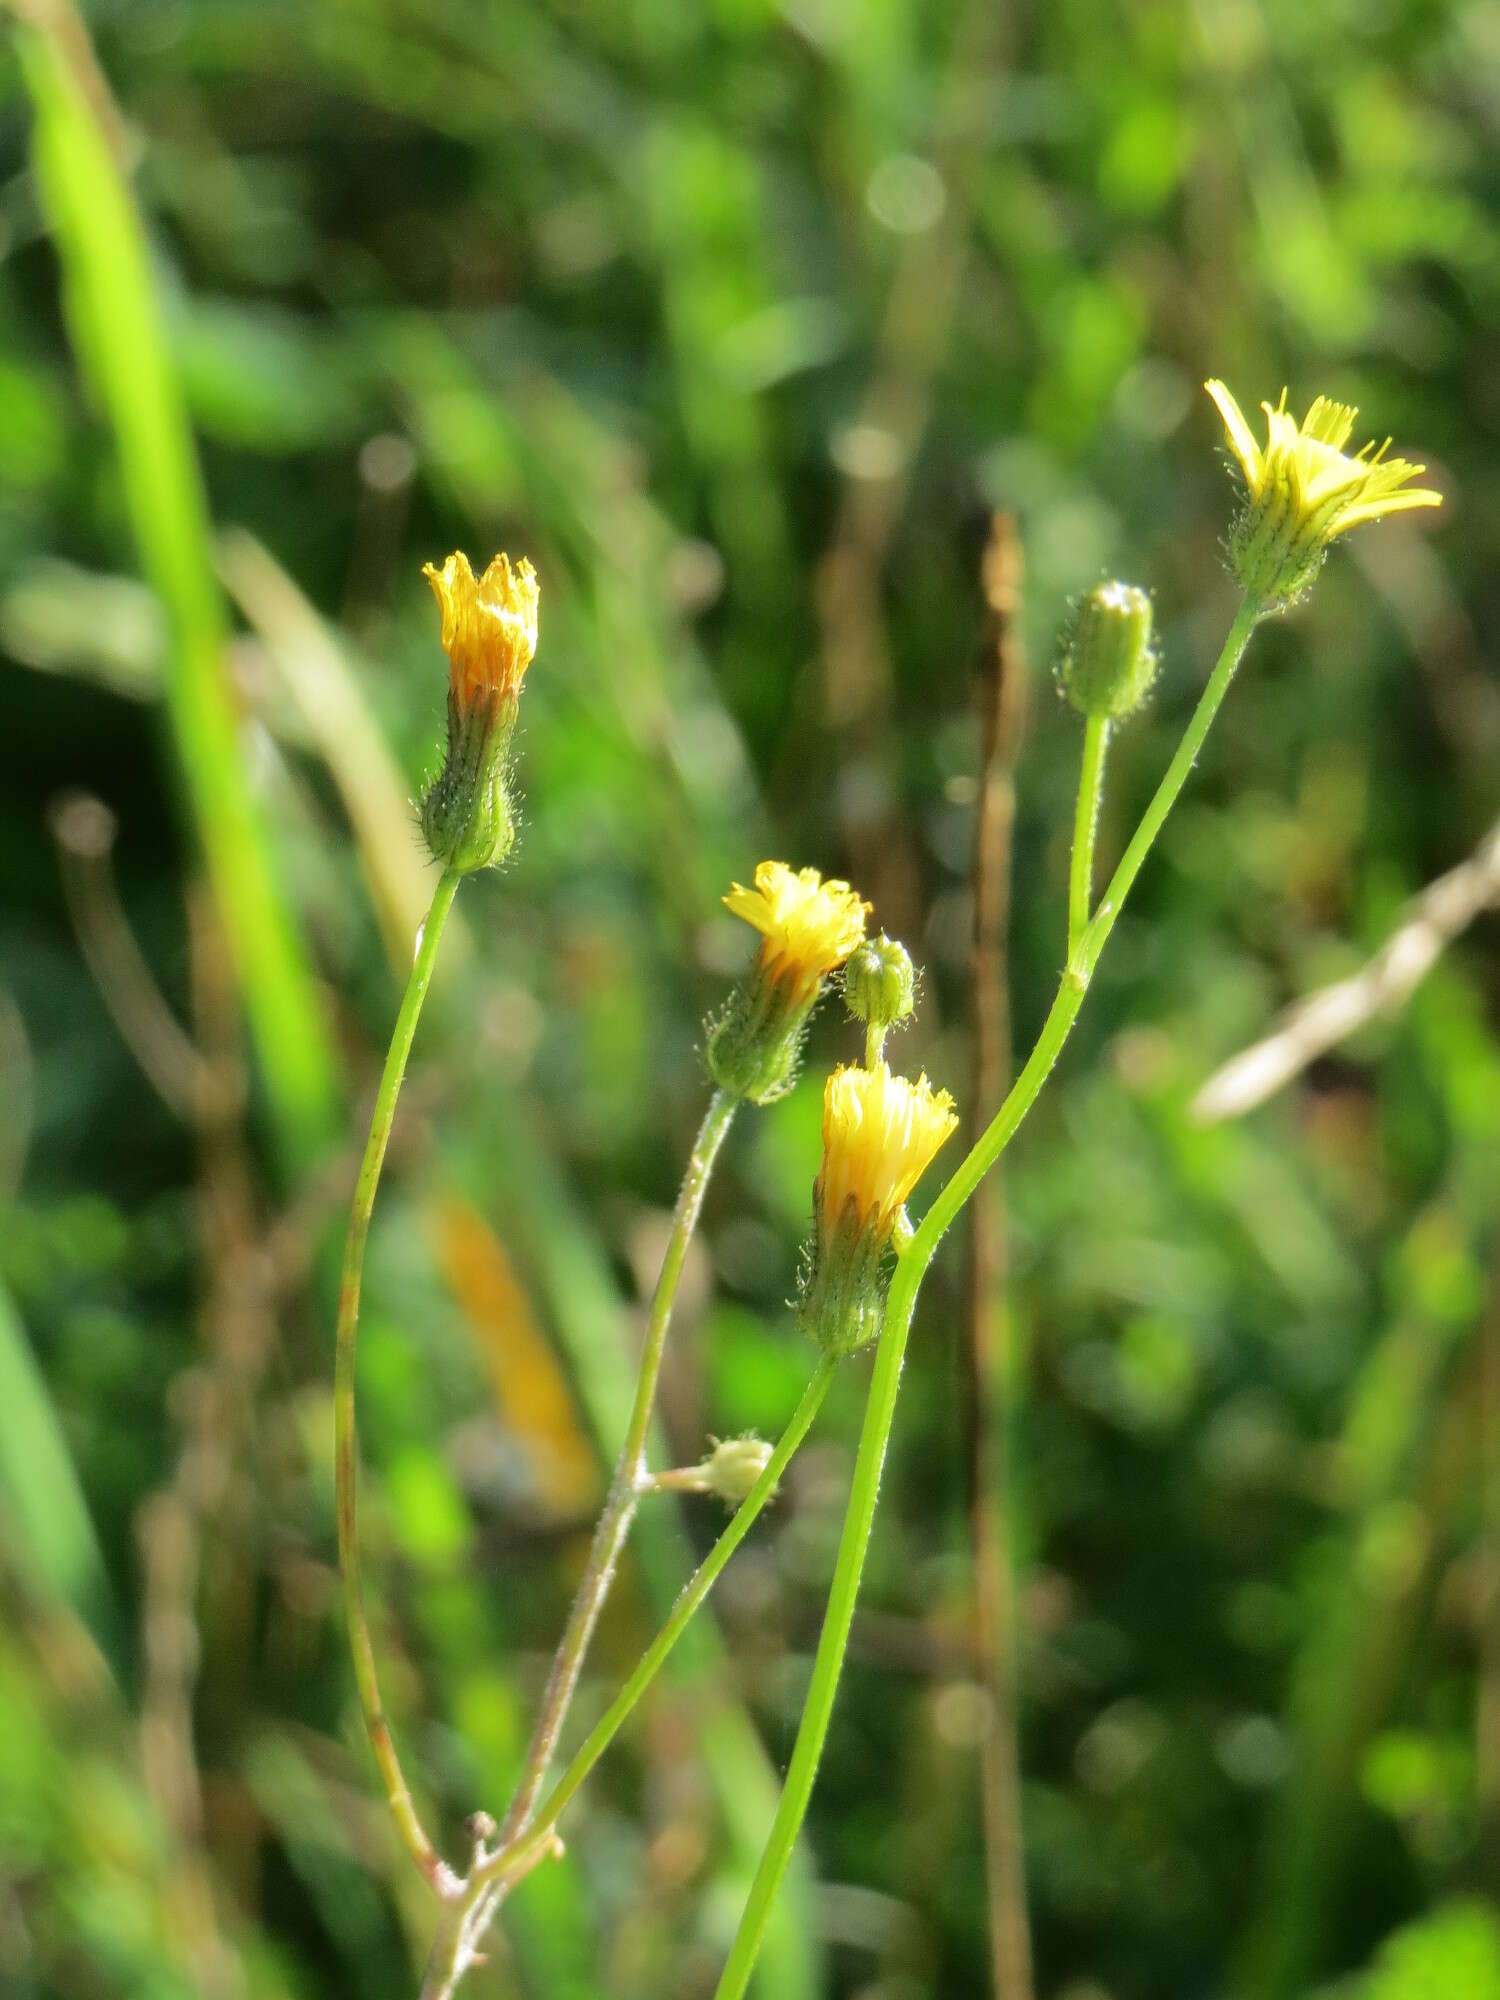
[(855, 1539), (627, 1483), (681, 1479), (1113, 899), (704, 1578), (972, 1169), (1085, 826), (346, 1448), (891, 1350), (457, 1945), (818, 1708), (460, 1940)]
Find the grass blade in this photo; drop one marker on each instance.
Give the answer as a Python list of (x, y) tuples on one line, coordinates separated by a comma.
[(117, 331)]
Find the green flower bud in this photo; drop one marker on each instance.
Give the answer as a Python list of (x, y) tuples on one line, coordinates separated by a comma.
[(733, 1467), (880, 983), (1108, 664)]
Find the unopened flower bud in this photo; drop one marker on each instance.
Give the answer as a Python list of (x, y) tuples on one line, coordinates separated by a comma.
[(808, 928), (489, 635), (880, 1134), (733, 1466), (1108, 663), (880, 984)]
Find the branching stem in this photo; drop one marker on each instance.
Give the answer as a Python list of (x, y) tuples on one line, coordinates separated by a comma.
[(626, 1486), (462, 1931), (891, 1350)]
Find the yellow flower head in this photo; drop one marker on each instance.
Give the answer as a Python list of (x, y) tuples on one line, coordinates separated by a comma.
[(810, 926), (880, 1134), (1304, 489), (489, 625)]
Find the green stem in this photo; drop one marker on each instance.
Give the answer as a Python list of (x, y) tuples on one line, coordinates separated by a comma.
[(629, 1474), (891, 1351), (704, 1578), (855, 1539), (991, 1142), (464, 1930), (346, 1447), (1085, 825), (1113, 899)]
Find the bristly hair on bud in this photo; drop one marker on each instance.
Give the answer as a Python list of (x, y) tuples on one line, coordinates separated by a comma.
[(1108, 664), (729, 1471), (1303, 490), (808, 928), (880, 989), (881, 1132), (490, 637), (733, 1466)]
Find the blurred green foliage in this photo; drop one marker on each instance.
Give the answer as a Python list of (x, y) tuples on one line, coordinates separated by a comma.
[(738, 320)]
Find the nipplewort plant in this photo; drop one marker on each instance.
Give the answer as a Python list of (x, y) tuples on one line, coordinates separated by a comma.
[(865, 1262)]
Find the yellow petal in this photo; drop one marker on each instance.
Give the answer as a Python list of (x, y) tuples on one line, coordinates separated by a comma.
[(1246, 450), (880, 1134), (1330, 423), (810, 926), (489, 623), (1392, 503)]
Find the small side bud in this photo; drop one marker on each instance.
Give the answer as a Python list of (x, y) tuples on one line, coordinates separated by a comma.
[(733, 1466), (1108, 663), (880, 985)]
